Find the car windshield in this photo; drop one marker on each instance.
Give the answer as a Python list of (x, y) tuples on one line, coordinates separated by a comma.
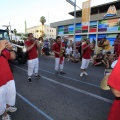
[(4, 35)]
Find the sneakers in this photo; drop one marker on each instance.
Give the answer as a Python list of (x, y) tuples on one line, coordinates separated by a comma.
[(6, 117), (85, 73), (37, 76), (57, 73), (29, 80), (61, 72), (11, 109), (81, 74)]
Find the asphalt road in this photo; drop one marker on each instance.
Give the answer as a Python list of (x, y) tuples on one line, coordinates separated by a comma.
[(61, 97)]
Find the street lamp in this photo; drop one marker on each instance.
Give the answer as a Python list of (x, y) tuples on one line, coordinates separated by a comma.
[(74, 4)]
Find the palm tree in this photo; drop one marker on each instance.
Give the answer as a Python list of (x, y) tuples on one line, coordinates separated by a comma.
[(42, 20), (15, 31)]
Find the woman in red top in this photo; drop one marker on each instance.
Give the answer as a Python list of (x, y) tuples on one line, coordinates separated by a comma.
[(114, 83)]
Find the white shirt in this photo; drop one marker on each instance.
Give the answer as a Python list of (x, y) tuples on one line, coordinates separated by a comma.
[(68, 50)]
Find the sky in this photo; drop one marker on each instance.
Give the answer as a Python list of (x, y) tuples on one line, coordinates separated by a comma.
[(17, 11)]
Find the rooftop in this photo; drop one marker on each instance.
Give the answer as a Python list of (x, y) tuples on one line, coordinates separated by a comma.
[(98, 9)]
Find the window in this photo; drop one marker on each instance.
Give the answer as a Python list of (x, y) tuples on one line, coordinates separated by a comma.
[(4, 35)]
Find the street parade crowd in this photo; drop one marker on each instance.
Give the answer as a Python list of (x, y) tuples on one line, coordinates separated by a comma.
[(82, 52)]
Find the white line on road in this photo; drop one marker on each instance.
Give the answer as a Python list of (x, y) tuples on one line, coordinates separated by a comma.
[(73, 88), (36, 108), (73, 79)]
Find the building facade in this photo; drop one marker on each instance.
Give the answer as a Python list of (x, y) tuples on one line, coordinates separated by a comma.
[(37, 31), (98, 27)]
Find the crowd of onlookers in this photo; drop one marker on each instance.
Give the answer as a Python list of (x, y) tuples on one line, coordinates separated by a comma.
[(101, 51), (18, 42), (105, 55)]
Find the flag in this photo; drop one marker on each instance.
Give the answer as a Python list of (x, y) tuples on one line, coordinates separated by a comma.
[(86, 9)]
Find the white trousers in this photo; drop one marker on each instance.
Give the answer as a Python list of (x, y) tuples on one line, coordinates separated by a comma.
[(7, 95), (58, 65), (85, 63), (33, 66)]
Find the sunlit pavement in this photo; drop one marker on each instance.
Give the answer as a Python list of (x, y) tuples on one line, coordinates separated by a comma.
[(61, 97)]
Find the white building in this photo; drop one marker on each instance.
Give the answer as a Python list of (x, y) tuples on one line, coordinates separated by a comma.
[(37, 31)]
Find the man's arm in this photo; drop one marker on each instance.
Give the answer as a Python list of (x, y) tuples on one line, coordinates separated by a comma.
[(106, 44), (115, 92), (54, 50), (30, 47), (84, 48), (3, 44), (12, 55)]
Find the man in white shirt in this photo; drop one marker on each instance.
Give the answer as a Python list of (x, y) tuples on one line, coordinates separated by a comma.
[(76, 56), (68, 52)]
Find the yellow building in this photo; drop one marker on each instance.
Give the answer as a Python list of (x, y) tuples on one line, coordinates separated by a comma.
[(47, 30)]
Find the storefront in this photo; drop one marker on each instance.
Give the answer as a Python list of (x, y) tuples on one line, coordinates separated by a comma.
[(98, 27)]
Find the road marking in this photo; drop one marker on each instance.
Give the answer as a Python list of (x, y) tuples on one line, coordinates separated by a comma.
[(73, 88), (73, 79), (36, 108)]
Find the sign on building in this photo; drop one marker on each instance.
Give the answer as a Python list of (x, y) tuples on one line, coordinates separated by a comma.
[(111, 12)]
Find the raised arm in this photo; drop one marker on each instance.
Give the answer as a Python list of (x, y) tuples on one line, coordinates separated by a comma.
[(30, 47)]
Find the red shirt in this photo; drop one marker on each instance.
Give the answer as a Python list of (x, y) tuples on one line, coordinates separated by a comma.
[(114, 113), (87, 52), (32, 54), (116, 46), (5, 71), (56, 47), (114, 82)]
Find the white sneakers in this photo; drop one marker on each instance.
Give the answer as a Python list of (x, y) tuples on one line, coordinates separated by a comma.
[(11, 109), (6, 117), (83, 73)]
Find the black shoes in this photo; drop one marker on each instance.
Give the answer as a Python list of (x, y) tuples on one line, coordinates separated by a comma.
[(61, 72), (57, 73), (37, 76), (29, 80)]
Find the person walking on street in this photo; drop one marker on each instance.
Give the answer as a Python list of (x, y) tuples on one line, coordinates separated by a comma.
[(33, 62), (59, 50), (86, 54)]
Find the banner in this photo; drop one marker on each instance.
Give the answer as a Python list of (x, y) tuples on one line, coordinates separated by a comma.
[(86, 9), (111, 12)]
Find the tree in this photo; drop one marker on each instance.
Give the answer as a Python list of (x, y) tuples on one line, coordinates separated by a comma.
[(15, 31), (43, 35), (42, 20)]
